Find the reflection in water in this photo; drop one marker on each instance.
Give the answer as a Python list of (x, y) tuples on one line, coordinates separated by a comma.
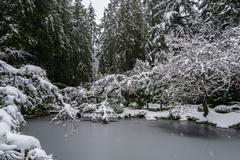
[(191, 129), (137, 140)]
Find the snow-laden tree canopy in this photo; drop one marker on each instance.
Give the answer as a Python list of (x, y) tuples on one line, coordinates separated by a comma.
[(199, 71)]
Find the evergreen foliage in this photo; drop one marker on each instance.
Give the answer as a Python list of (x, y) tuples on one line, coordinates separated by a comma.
[(123, 37), (221, 13), (55, 33)]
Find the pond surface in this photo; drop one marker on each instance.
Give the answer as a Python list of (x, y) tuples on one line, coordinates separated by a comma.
[(136, 140)]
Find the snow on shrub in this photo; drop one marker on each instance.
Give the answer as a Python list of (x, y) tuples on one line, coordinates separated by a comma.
[(67, 111), (75, 96), (99, 112), (26, 88), (35, 90), (199, 71), (13, 145), (38, 154)]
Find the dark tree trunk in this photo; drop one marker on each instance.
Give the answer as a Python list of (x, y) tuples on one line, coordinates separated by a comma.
[(205, 108)]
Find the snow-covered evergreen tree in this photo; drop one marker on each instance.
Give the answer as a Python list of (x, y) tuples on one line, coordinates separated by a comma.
[(155, 47), (123, 38), (167, 17), (81, 58), (178, 16), (132, 34), (49, 31), (94, 31), (108, 39)]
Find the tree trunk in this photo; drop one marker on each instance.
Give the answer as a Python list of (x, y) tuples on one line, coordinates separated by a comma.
[(205, 108), (147, 106)]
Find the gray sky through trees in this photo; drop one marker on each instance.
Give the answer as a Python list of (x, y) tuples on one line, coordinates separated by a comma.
[(98, 5)]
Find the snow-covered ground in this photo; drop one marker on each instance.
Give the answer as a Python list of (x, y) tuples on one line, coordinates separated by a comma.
[(188, 112)]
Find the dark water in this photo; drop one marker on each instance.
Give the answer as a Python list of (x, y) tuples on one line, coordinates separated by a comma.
[(136, 140)]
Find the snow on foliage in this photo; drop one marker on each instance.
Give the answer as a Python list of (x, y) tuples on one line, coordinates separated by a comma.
[(25, 89), (12, 95), (12, 53), (67, 111), (38, 154), (13, 145), (75, 95), (35, 90), (99, 112), (198, 71)]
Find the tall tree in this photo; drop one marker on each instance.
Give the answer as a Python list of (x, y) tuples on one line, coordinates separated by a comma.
[(54, 32), (108, 39), (81, 59), (167, 17), (132, 33), (155, 47), (124, 35), (94, 31)]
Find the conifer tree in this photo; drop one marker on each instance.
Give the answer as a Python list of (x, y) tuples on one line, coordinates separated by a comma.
[(124, 35), (54, 32), (167, 17), (109, 39), (94, 32), (155, 47), (81, 59)]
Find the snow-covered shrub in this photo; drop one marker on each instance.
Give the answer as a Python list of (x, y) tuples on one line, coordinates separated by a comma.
[(38, 154), (111, 88), (230, 44), (75, 96), (140, 66), (10, 122), (227, 108), (67, 111), (10, 98), (202, 71), (121, 90), (138, 88), (13, 145), (33, 82), (99, 112), (222, 109), (11, 95), (161, 84)]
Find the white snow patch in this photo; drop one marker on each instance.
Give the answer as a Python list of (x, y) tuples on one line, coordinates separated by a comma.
[(186, 112)]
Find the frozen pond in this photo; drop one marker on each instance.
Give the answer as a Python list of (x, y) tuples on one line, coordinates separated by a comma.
[(136, 140)]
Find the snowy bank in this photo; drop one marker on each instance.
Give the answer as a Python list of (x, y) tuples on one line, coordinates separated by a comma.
[(188, 112)]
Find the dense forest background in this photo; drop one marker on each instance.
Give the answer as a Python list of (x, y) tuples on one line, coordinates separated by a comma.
[(63, 37)]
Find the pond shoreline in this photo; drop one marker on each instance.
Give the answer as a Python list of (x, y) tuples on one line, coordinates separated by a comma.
[(180, 113)]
